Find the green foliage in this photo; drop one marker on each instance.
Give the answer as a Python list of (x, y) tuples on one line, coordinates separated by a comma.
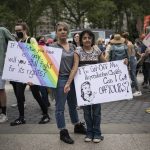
[(99, 13), (102, 15)]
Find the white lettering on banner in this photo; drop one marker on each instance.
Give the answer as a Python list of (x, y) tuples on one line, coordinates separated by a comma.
[(104, 82)]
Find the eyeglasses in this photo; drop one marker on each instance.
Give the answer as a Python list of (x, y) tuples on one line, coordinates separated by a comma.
[(18, 30), (76, 36)]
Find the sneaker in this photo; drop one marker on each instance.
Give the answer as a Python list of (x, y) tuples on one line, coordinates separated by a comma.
[(15, 105), (137, 93), (64, 136), (147, 110), (18, 121), (97, 140), (44, 119), (3, 118), (87, 139), (80, 128)]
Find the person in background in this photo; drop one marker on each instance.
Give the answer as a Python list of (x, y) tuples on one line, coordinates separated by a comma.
[(147, 67), (132, 64), (49, 42), (101, 45), (87, 54), (76, 41), (108, 46), (62, 30), (118, 49), (21, 30), (144, 68), (5, 36)]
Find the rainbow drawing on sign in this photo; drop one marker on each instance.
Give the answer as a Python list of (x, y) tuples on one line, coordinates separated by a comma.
[(43, 64)]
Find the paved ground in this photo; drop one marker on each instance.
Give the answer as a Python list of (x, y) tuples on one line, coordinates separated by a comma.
[(126, 111), (125, 126)]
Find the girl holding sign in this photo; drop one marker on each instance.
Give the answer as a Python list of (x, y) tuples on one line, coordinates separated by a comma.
[(85, 55)]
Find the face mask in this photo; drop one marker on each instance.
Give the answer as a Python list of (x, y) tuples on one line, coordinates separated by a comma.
[(19, 35), (41, 42)]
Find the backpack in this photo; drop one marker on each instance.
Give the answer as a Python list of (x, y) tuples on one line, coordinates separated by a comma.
[(118, 52)]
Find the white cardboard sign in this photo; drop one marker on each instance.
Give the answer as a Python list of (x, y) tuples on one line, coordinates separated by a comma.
[(146, 40), (32, 63), (104, 82)]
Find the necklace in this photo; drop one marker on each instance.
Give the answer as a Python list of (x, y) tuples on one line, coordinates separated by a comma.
[(88, 51)]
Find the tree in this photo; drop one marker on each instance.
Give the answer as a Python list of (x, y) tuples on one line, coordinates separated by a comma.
[(75, 11), (102, 14)]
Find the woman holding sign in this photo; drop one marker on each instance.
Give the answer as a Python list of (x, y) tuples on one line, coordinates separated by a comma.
[(66, 65), (21, 29), (85, 55)]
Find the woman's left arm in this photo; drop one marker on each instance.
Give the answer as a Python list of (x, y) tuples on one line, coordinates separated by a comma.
[(72, 73)]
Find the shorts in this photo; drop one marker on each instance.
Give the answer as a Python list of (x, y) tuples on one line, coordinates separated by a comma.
[(2, 83)]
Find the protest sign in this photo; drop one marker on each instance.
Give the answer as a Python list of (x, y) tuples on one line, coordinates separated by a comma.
[(104, 82), (146, 40), (32, 63)]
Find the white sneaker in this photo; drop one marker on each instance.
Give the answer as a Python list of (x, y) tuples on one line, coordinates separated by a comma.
[(137, 93), (96, 140), (3, 118), (87, 139), (15, 105)]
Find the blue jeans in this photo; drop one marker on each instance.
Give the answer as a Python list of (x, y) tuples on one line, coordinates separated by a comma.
[(92, 116), (133, 65), (60, 98)]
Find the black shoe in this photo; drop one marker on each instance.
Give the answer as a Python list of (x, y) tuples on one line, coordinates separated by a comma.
[(18, 121), (64, 136), (80, 128), (44, 119)]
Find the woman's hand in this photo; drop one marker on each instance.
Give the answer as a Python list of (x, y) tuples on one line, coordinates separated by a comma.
[(125, 61), (66, 88), (30, 83)]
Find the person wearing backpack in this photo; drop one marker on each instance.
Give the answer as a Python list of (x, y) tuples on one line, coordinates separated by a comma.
[(118, 49), (21, 30)]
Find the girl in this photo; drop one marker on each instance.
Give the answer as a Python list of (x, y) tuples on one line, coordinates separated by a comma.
[(85, 55)]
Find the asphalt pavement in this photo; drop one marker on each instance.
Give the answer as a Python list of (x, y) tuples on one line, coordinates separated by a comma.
[(125, 126)]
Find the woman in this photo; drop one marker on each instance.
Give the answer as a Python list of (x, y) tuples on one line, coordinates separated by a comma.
[(76, 41), (21, 30), (85, 55), (66, 65)]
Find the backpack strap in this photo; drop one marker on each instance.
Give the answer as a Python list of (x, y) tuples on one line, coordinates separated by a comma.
[(28, 40)]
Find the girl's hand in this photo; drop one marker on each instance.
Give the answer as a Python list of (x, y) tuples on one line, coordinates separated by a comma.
[(66, 88)]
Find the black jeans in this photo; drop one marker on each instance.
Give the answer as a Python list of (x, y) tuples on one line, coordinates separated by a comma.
[(20, 88)]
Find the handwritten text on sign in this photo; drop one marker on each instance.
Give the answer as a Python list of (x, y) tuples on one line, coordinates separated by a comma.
[(104, 82), (32, 63)]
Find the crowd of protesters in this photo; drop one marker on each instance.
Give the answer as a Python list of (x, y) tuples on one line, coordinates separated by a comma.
[(84, 50)]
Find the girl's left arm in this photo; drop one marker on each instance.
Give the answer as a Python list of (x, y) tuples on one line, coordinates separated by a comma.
[(102, 58)]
